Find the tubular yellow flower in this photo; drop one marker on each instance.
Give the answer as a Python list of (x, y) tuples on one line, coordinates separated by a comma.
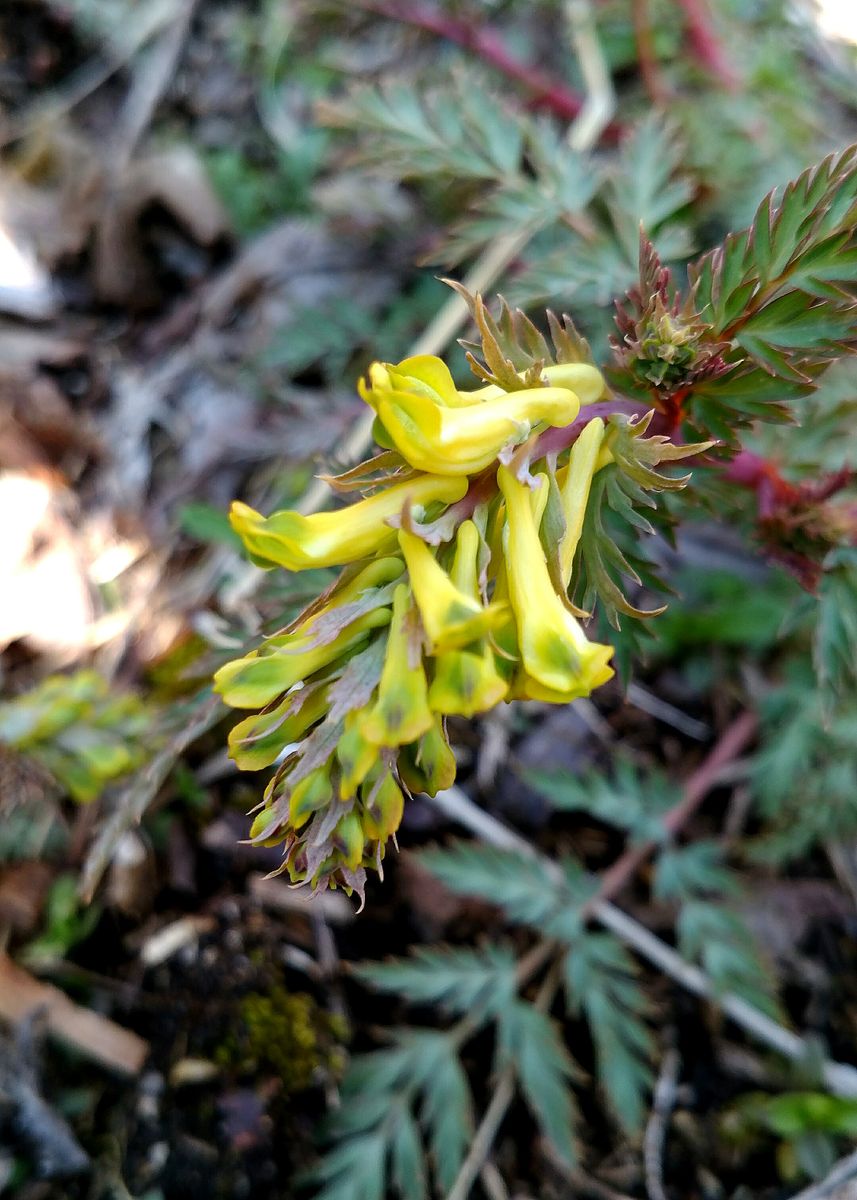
[(329, 539), (313, 792), (428, 765), (585, 381), (450, 617), (462, 441), (383, 806), (466, 682), (555, 651), (401, 712), (356, 757), (424, 375), (575, 491), (261, 676)]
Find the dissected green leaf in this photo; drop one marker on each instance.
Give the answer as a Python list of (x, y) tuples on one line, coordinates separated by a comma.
[(531, 1042), (460, 980), (600, 980)]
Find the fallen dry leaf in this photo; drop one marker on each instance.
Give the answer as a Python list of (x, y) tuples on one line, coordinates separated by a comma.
[(89, 1032)]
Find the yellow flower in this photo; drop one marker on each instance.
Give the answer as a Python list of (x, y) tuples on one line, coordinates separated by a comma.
[(585, 381), (556, 654), (291, 540), (311, 793), (450, 617), (258, 741), (466, 682), (261, 676), (356, 756), (383, 806), (582, 464), (434, 435), (401, 713), (424, 375), (428, 765), (347, 842)]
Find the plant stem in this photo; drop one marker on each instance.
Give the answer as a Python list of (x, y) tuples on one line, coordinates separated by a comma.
[(706, 45), (730, 745), (504, 1093), (839, 1078), (656, 89), (546, 93)]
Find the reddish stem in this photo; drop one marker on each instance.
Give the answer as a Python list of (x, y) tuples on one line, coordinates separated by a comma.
[(656, 88), (707, 46), (729, 746), (546, 93)]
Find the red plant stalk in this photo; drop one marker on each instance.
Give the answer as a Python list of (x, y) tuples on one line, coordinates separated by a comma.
[(733, 741), (546, 93), (706, 45)]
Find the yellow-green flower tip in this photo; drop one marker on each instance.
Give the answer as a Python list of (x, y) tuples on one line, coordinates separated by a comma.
[(356, 756), (258, 741), (450, 617), (428, 765), (349, 840), (269, 821), (401, 712), (466, 683), (256, 680), (383, 807), (313, 792), (329, 539)]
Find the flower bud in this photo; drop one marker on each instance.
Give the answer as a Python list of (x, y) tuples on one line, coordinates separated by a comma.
[(428, 765), (313, 792), (383, 806), (356, 756), (259, 740), (401, 712)]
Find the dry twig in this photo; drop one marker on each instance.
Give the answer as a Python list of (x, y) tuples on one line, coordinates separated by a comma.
[(654, 1141)]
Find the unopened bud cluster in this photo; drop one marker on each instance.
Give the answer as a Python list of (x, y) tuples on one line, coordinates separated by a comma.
[(451, 599)]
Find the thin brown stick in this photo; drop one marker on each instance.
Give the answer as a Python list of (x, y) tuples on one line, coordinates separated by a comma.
[(706, 45)]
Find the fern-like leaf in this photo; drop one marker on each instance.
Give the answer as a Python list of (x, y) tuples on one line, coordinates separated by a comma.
[(600, 980), (531, 1043), (459, 980), (627, 799)]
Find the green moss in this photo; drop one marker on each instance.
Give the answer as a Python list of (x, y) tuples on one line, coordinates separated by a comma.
[(288, 1033)]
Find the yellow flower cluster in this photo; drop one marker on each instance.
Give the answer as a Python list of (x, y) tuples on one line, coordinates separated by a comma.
[(449, 602)]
